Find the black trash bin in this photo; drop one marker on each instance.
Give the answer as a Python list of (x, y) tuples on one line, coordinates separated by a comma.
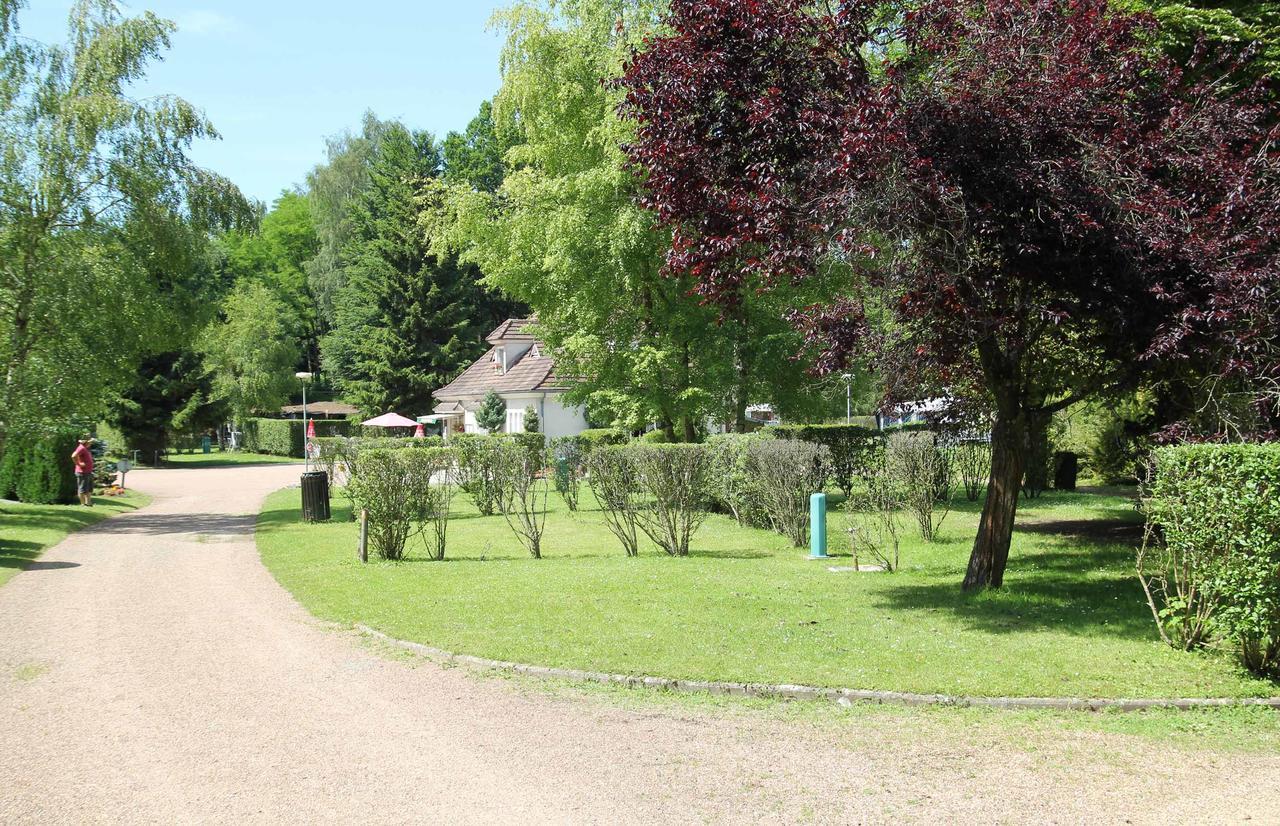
[(1066, 471), (315, 496)]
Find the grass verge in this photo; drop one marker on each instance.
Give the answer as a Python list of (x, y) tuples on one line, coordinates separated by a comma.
[(27, 530), (226, 458), (746, 607)]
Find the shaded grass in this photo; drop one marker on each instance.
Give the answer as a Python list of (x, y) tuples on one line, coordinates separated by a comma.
[(27, 530), (747, 607), (226, 458)]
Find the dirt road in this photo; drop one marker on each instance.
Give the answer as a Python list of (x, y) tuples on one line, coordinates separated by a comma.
[(151, 670)]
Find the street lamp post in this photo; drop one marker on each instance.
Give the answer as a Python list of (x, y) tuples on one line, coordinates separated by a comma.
[(306, 454), (847, 378)]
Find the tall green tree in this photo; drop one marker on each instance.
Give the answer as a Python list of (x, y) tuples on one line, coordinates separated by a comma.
[(565, 234), (173, 395), (406, 321), (251, 355), (85, 170)]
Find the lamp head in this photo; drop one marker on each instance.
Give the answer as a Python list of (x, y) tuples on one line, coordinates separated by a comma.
[(303, 376)]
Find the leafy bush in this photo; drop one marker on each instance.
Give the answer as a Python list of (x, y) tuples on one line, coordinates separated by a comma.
[(730, 483), (672, 482), (569, 458), (922, 471), (518, 475), (477, 470), (342, 453), (531, 421), (602, 436), (492, 414), (853, 449), (613, 481), (37, 468), (1210, 566), (784, 475), (394, 487), (656, 437), (440, 463), (285, 437)]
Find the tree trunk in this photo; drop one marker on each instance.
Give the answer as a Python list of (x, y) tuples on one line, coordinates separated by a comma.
[(990, 555)]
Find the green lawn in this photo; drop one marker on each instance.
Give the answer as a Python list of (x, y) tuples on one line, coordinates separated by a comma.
[(745, 606), (227, 458), (27, 530)]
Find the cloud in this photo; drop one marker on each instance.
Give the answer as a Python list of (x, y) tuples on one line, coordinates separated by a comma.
[(204, 22)]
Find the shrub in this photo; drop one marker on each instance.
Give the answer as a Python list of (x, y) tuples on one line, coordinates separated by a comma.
[(522, 489), (1210, 566), (568, 456), (784, 475), (921, 471), (37, 468), (853, 449), (874, 528), (15, 451), (285, 437), (441, 464), (730, 483), (394, 487), (972, 461), (672, 482), (613, 481), (531, 420), (1039, 469), (477, 469), (492, 414), (656, 437), (596, 437)]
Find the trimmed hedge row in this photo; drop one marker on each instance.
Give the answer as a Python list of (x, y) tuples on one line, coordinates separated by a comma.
[(37, 468), (284, 437), (853, 449)]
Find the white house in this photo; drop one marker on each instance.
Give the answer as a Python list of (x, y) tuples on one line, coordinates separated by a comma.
[(521, 371)]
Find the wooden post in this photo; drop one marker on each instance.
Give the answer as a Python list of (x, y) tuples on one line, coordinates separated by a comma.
[(364, 535)]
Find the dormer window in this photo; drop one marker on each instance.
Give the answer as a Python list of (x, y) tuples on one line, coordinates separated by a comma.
[(500, 361)]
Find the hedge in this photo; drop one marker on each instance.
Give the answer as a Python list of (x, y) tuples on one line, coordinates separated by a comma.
[(596, 436), (37, 468), (853, 448), (284, 437), (1217, 509)]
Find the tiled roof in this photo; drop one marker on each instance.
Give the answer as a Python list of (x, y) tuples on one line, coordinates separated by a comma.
[(533, 372), (511, 330)]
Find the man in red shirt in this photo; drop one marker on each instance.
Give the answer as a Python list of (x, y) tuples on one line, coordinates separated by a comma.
[(82, 457)]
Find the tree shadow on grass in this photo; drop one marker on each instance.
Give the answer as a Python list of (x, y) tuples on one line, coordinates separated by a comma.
[(17, 553)]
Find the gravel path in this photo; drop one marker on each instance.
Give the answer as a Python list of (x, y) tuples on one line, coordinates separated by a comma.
[(151, 670)]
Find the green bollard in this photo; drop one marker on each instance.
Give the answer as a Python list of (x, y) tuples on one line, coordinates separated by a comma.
[(818, 526)]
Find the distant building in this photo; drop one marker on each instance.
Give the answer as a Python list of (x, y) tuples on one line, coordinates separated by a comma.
[(521, 371)]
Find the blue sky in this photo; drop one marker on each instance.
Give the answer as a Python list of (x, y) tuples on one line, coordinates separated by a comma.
[(278, 76)]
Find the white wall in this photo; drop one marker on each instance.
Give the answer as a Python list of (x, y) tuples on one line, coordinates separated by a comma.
[(559, 420)]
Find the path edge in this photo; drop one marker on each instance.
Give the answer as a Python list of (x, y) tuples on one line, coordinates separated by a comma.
[(843, 696)]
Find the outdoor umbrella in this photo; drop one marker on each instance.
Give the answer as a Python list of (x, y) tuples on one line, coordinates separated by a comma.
[(390, 420)]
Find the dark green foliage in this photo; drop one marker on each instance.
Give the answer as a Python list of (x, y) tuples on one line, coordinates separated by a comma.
[(11, 462), (853, 449), (730, 483), (171, 397), (284, 437), (1039, 463), (477, 470), (531, 422), (41, 468), (1214, 570), (406, 322), (394, 487), (474, 158), (492, 414), (569, 456)]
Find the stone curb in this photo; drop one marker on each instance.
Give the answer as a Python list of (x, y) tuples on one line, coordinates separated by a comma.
[(844, 696)]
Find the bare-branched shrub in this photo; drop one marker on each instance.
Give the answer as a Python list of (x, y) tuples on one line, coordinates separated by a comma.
[(477, 469), (972, 460), (874, 525), (672, 480), (442, 465), (730, 482), (569, 459), (921, 471), (785, 474), (612, 477), (394, 487), (521, 482)]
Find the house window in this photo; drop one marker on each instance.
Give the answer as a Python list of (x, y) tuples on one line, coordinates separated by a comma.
[(500, 361), (515, 421)]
